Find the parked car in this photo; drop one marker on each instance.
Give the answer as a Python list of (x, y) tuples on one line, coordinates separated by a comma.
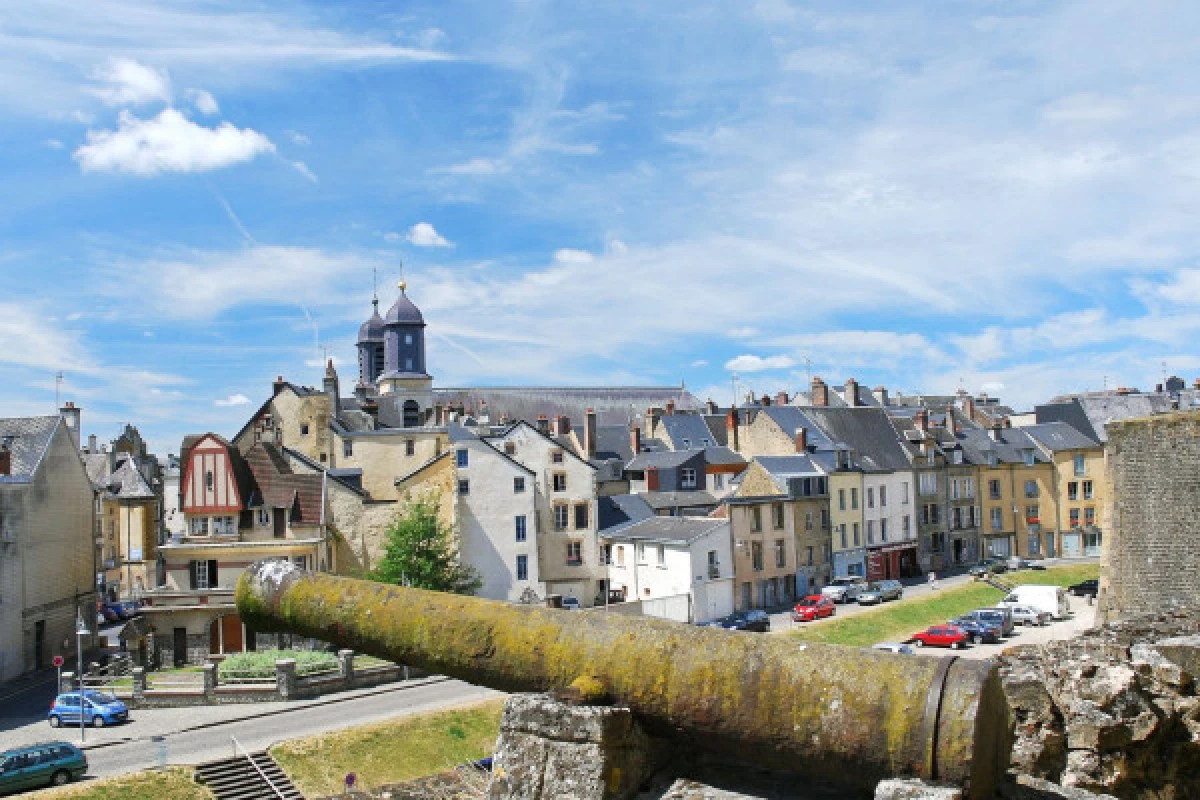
[(894, 647), (38, 765), (880, 592), (941, 636), (992, 567), (1016, 562), (1028, 615), (131, 607), (977, 630), (743, 621), (813, 607), (845, 589), (109, 613), (571, 603), (1085, 588), (997, 565), (1000, 616), (99, 709), (1052, 600)]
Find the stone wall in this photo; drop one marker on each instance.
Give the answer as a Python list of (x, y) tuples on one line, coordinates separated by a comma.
[(1150, 556)]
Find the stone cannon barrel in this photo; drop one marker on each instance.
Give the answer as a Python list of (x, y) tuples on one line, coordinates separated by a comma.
[(851, 715)]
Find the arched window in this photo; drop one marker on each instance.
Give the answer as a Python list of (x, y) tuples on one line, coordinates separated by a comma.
[(412, 414)]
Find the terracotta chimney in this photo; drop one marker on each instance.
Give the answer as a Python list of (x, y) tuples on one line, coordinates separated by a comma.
[(652, 479), (279, 384), (968, 407), (801, 440), (562, 425), (635, 439), (921, 420), (781, 398), (820, 392), (543, 424), (766, 400), (670, 407), (731, 425), (850, 392), (589, 433)]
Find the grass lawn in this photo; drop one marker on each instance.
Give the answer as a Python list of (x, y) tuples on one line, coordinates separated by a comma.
[(174, 783), (895, 622), (391, 752)]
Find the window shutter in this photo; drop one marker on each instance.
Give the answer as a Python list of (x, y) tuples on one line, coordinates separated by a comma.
[(212, 574), (192, 574)]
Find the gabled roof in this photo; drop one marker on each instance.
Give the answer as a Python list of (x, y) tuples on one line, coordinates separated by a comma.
[(568, 450), (1056, 436), (720, 455), (612, 442), (28, 439), (664, 459), (686, 431), (668, 530), (277, 486), (867, 431), (1089, 413), (128, 483), (620, 509), (333, 474), (1009, 447), (96, 465), (792, 418)]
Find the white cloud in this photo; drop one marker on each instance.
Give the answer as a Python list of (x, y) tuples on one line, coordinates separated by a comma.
[(476, 166), (751, 363), (204, 102), (169, 142), (128, 83), (303, 169), (54, 144), (568, 256), (423, 234), (232, 400)]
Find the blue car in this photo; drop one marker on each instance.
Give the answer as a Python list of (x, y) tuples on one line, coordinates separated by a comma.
[(978, 631), (35, 766), (100, 709)]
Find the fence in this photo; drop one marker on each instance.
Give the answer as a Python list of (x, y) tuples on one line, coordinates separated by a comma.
[(208, 685)]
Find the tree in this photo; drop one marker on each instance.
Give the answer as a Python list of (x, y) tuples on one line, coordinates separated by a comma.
[(419, 551)]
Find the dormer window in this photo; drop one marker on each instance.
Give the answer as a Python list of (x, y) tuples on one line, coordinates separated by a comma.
[(687, 443), (957, 457), (1029, 458)]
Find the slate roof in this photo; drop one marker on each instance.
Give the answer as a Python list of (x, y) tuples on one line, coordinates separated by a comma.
[(403, 312), (613, 405), (1059, 436), (722, 456), (686, 431), (620, 509), (791, 418), (612, 442), (128, 483), (1090, 413), (28, 438), (668, 530), (867, 431), (686, 499), (345, 477), (96, 465), (664, 459), (277, 486)]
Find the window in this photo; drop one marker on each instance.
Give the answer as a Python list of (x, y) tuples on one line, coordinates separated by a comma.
[(857, 539), (870, 497), (641, 553), (304, 429), (687, 478), (992, 460), (324, 457), (841, 499), (605, 555), (997, 519), (464, 486), (687, 444), (522, 568), (463, 457), (1080, 466), (968, 487), (1031, 489), (853, 498), (1029, 458), (994, 489), (620, 555), (1032, 515), (937, 542), (1087, 491), (1089, 516), (521, 530), (510, 448), (408, 365), (956, 456), (870, 531), (410, 447), (780, 554), (906, 524), (347, 448), (842, 533), (808, 520), (1073, 490), (264, 517), (560, 481), (582, 512), (557, 457), (777, 515), (928, 483), (208, 480), (223, 526), (408, 338), (756, 519), (1074, 517), (883, 530), (562, 516), (954, 490), (574, 554), (719, 480), (882, 496), (200, 526), (904, 493), (714, 567), (203, 574), (756, 555), (956, 520), (662, 555)]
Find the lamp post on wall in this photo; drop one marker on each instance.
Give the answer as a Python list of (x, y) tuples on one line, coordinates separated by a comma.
[(81, 630)]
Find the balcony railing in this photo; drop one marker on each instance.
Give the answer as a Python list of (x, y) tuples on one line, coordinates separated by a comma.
[(714, 572)]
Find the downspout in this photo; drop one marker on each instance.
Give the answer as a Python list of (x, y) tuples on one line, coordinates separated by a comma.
[(324, 533)]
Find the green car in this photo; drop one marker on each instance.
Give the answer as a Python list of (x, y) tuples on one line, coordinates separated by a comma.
[(46, 764)]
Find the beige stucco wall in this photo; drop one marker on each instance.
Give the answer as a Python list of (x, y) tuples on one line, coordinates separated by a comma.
[(383, 457)]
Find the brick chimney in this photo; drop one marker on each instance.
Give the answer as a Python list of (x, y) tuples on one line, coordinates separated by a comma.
[(801, 440), (921, 420), (5, 459), (951, 420), (277, 387), (765, 400), (635, 439), (820, 392), (652, 483), (731, 425), (543, 424), (670, 408), (850, 392), (71, 415), (562, 425), (968, 407), (881, 395), (589, 433), (653, 415), (710, 407), (781, 398)]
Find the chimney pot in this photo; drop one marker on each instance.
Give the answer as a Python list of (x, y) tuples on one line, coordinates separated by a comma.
[(781, 398), (801, 440), (766, 400), (731, 425), (635, 439), (710, 407), (670, 407), (922, 420), (851, 392), (820, 392), (589, 433)]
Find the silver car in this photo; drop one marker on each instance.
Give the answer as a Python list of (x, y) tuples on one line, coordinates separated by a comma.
[(894, 647), (880, 592), (1028, 615)]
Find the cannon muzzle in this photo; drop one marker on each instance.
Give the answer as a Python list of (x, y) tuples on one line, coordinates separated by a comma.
[(846, 714)]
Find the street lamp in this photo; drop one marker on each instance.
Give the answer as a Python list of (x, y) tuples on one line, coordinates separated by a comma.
[(81, 630)]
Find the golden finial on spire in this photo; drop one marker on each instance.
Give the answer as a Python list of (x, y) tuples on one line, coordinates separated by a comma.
[(403, 283)]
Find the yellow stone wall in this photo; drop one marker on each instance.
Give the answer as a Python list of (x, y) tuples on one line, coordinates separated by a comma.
[(383, 457)]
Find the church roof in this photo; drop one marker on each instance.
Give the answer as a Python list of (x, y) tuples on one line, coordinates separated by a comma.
[(372, 329), (403, 312)]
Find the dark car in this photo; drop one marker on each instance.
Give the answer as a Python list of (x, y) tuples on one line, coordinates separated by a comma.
[(977, 630), (743, 621), (997, 565), (35, 766), (114, 612), (1085, 588)]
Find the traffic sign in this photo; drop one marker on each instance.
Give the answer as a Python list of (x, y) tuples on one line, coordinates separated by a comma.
[(351, 780), (58, 661)]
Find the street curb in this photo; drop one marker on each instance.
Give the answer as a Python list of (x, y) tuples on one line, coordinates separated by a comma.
[(341, 697)]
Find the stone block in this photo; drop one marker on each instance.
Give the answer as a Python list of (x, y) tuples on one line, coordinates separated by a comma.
[(915, 790)]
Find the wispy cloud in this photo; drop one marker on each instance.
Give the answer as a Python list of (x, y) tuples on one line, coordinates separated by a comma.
[(125, 82), (232, 400)]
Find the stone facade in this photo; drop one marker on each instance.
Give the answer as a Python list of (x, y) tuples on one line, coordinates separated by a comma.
[(1150, 559)]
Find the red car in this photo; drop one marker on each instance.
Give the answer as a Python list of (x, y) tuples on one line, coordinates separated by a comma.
[(942, 636), (813, 607)]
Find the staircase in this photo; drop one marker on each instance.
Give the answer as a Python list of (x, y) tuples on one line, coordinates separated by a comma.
[(995, 582), (247, 777)]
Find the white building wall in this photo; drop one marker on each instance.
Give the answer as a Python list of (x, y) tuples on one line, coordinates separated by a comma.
[(896, 509)]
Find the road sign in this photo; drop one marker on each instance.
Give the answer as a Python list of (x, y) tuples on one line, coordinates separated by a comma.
[(57, 661), (351, 780)]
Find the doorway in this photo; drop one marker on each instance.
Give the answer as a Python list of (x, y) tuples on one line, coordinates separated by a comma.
[(180, 647)]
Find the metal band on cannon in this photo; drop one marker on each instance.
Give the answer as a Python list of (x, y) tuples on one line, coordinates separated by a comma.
[(845, 714)]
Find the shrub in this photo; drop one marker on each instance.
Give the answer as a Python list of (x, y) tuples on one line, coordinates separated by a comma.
[(262, 664)]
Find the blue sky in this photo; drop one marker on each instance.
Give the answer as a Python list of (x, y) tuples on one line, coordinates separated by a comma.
[(999, 195)]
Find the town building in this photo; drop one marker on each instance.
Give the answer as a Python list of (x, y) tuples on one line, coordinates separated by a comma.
[(47, 544), (1080, 489)]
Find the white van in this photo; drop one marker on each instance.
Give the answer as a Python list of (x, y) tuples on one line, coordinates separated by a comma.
[(1051, 599)]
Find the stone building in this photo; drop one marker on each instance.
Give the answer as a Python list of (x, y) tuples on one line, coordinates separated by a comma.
[(47, 549)]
